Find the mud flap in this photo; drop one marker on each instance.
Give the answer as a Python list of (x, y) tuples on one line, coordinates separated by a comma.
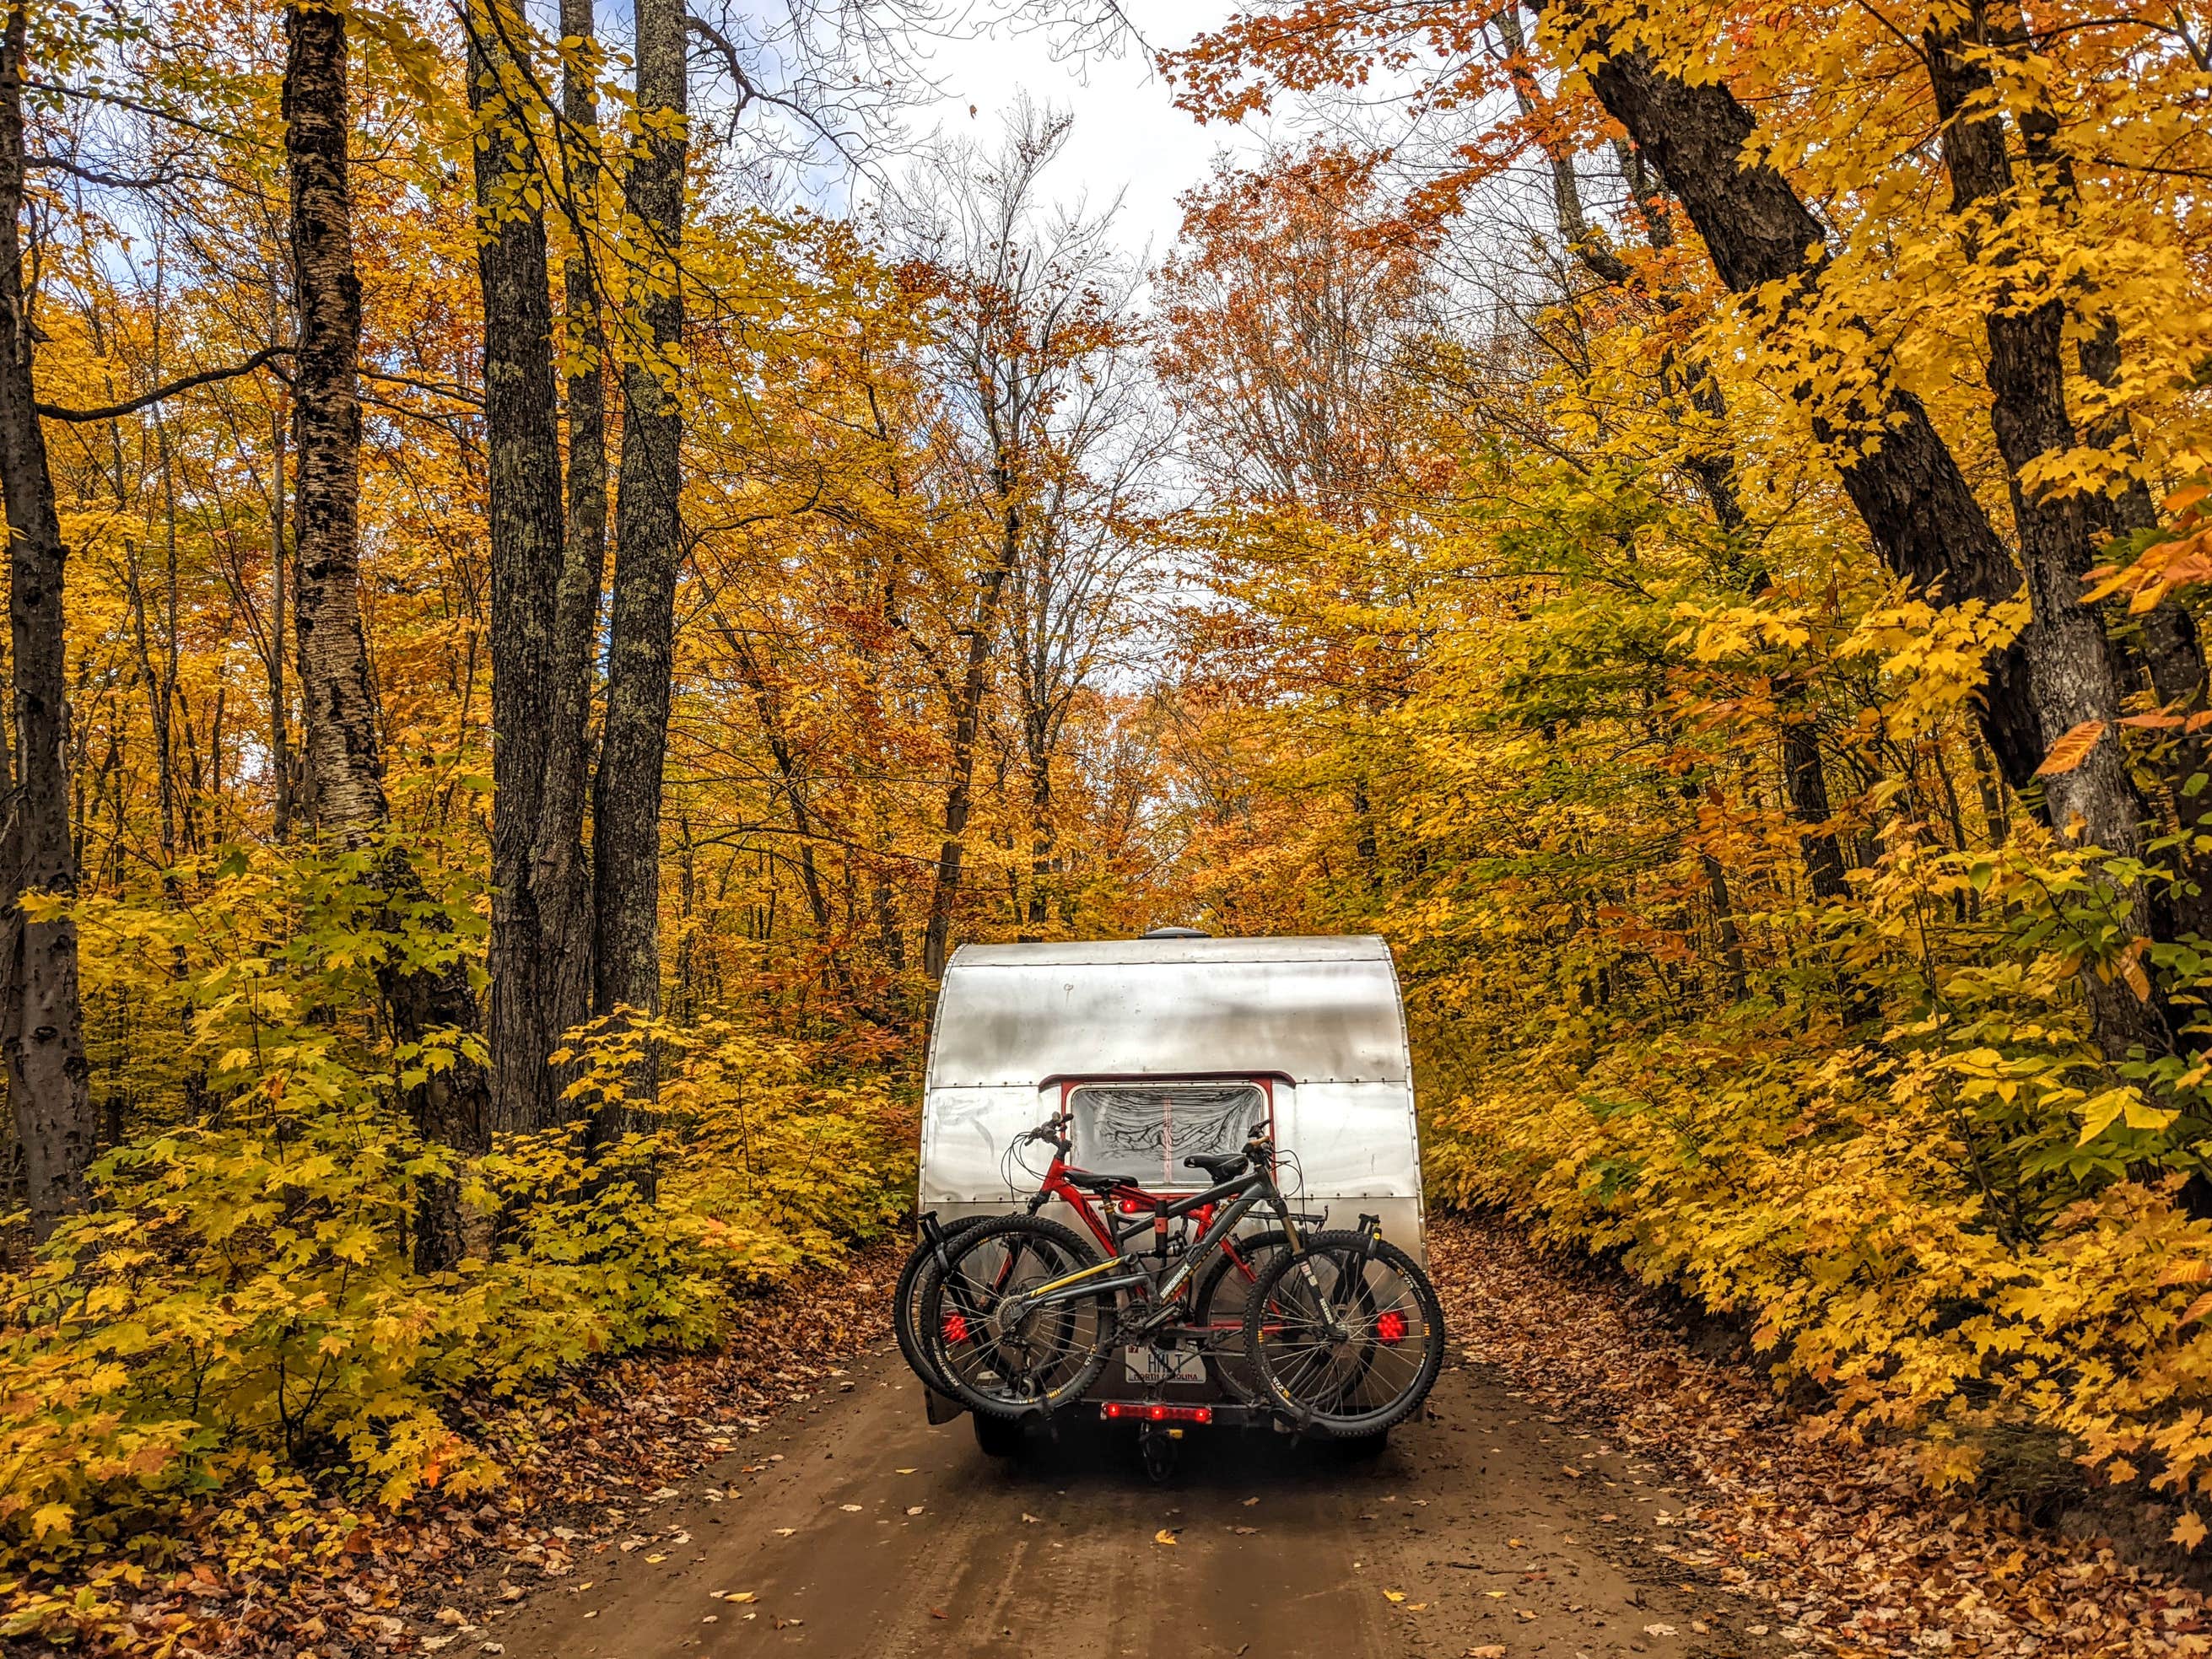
[(942, 1408)]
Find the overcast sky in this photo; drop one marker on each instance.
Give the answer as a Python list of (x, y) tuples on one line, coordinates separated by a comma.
[(1128, 137)]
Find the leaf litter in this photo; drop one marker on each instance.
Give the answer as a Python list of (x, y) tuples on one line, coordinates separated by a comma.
[(1842, 1547)]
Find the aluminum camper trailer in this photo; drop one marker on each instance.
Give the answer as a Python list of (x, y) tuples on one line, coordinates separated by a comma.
[(1161, 1046)]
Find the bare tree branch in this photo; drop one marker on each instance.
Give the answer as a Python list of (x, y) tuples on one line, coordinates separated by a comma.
[(132, 406)]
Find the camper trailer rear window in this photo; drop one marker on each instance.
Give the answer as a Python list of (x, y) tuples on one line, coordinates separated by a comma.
[(1143, 1133)]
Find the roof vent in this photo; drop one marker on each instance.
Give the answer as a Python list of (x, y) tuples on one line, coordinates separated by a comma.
[(1176, 932)]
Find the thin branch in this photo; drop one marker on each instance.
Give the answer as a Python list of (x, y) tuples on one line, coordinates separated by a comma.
[(132, 406)]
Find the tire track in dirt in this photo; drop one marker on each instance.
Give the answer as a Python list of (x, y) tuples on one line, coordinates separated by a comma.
[(1465, 1535)]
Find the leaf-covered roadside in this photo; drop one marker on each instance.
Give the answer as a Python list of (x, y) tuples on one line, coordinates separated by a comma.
[(1843, 1542), (586, 1467), (231, 1371)]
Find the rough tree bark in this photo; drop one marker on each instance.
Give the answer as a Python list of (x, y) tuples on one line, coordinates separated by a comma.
[(280, 713), (343, 767), (649, 552), (2074, 679), (42, 1021), (522, 443), (560, 869)]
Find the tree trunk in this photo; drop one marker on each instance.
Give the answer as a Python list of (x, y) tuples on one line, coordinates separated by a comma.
[(522, 442), (1807, 780), (344, 771), (1731, 941), (649, 554), (1914, 500), (43, 1030), (2095, 801), (280, 720), (1044, 833), (343, 767), (561, 873), (967, 714)]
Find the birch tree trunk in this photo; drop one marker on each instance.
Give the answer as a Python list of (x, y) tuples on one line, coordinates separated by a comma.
[(344, 769)]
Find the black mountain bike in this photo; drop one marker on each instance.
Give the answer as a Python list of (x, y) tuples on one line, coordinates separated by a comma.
[(1342, 1333)]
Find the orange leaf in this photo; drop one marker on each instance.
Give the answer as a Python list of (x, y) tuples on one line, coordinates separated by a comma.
[(2186, 497), (2185, 1273), (2196, 1309), (2071, 751), (2132, 969)]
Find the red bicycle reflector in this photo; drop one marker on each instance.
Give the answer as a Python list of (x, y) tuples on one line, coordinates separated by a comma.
[(956, 1328), (1130, 1207), (1390, 1328), (1138, 1410)]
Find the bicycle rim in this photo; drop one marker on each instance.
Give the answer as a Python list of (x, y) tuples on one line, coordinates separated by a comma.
[(1347, 1335), (998, 1357)]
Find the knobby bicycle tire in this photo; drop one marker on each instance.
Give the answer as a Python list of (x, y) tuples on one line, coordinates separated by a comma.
[(906, 1302), (1065, 1361), (1279, 1335), (1231, 1358)]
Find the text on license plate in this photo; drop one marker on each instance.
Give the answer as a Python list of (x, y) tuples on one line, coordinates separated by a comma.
[(1165, 1365)]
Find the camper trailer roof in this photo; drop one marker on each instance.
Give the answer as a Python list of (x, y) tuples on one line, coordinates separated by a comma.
[(1314, 1009)]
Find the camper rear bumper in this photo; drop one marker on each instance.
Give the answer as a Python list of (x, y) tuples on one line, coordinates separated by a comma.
[(1177, 1414)]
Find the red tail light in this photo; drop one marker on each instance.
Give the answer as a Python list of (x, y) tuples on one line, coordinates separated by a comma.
[(1390, 1328), (1130, 1207), (956, 1328), (1138, 1412)]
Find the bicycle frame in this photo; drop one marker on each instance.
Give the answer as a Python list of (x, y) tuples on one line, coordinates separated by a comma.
[(1236, 1197), (1152, 1210)]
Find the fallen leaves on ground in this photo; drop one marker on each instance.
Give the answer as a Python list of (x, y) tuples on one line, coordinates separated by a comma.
[(1844, 1542), (588, 1467)]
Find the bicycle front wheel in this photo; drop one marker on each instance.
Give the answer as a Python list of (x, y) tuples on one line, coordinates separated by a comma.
[(1004, 1354), (1346, 1335)]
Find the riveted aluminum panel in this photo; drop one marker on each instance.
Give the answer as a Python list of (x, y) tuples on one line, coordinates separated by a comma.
[(1313, 1009), (1321, 1016)]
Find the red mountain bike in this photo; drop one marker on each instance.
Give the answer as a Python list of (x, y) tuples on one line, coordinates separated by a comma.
[(1342, 1330), (1115, 1212)]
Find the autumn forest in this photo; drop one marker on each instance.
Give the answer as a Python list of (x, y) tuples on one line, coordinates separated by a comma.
[(561, 563)]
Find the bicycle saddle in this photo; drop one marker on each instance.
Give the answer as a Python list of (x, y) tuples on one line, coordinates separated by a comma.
[(1222, 1166), (1097, 1183)]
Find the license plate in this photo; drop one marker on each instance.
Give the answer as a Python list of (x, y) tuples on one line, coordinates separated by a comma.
[(1165, 1365)]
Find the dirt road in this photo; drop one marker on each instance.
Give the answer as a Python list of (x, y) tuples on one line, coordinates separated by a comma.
[(857, 1529)]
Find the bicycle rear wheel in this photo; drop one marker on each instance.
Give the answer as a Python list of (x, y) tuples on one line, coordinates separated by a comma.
[(1346, 1335), (1224, 1294), (1003, 1357), (913, 1279)]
